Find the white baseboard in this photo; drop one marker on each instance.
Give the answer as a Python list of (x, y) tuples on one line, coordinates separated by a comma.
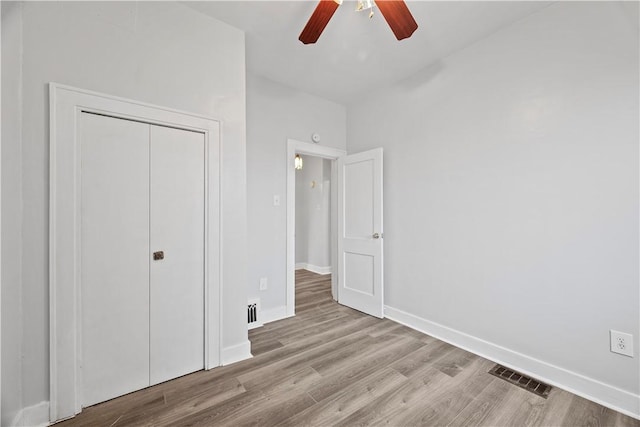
[(236, 353), (255, 325), (33, 416), (313, 268), (273, 314), (589, 388)]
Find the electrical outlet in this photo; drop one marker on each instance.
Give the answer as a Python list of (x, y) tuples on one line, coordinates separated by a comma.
[(263, 283), (621, 343), (276, 200)]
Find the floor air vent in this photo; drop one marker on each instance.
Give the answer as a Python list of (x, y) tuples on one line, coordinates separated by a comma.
[(522, 381)]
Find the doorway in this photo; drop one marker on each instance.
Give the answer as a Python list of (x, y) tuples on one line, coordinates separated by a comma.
[(313, 228), (319, 154), (313, 225), (356, 227)]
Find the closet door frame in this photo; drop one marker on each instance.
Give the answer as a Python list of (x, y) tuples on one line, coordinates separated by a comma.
[(65, 316)]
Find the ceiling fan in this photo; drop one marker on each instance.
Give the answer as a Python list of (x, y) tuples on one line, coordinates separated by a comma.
[(395, 12)]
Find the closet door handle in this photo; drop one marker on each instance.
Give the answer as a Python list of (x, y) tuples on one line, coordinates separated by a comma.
[(158, 255)]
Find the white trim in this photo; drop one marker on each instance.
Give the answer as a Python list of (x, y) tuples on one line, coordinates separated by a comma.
[(334, 229), (589, 388), (298, 147), (66, 104), (33, 416), (1, 287), (236, 353), (213, 248), (274, 314), (313, 268), (255, 325)]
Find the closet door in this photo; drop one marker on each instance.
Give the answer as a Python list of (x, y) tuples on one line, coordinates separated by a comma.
[(115, 257), (177, 232)]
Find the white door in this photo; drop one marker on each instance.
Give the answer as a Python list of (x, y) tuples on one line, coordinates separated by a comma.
[(360, 234), (142, 192), (115, 257), (177, 230)]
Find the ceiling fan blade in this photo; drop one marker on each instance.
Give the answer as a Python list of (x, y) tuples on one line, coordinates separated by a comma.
[(398, 16), (319, 19)]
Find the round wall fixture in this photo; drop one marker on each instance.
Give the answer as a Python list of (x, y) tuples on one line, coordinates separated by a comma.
[(315, 137)]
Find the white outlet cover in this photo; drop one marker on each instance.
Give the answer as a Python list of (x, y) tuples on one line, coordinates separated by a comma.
[(621, 343), (263, 283)]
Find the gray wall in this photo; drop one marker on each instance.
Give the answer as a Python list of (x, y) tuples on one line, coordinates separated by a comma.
[(274, 114), (313, 239), (157, 52), (511, 189)]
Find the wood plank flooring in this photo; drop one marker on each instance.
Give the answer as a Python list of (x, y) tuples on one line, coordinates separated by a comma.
[(333, 366)]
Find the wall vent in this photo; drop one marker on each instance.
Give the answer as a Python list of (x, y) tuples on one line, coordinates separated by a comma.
[(522, 381), (253, 314)]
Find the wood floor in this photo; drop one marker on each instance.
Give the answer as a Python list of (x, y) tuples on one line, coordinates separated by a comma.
[(330, 365)]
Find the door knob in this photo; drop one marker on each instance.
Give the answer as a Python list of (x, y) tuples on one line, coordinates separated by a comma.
[(376, 235), (158, 255)]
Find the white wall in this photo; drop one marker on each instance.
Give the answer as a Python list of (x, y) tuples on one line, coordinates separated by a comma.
[(11, 213), (313, 239), (275, 113), (157, 52), (511, 195)]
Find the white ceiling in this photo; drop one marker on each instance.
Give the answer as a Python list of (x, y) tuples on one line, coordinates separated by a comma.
[(355, 53)]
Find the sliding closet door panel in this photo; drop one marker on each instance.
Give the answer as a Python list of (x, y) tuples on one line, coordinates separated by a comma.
[(115, 257), (177, 232)]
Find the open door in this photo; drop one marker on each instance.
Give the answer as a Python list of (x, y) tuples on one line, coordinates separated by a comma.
[(360, 234)]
